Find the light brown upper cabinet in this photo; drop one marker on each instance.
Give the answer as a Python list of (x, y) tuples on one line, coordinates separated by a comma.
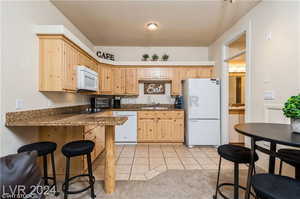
[(70, 62), (88, 62), (154, 73), (176, 86), (119, 81), (125, 81), (58, 59), (132, 84), (106, 80)]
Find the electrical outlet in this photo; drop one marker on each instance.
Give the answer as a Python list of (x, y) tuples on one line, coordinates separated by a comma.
[(19, 104)]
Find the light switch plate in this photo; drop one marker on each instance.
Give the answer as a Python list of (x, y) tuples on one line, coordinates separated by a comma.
[(269, 95), (19, 104)]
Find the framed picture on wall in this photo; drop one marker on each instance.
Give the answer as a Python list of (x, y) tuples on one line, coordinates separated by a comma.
[(154, 88)]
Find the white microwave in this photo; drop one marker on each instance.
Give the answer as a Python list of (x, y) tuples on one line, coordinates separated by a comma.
[(87, 79)]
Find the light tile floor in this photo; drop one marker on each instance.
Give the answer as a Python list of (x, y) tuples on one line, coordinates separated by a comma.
[(145, 161)]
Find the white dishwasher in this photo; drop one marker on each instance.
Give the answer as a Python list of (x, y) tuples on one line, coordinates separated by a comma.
[(126, 133)]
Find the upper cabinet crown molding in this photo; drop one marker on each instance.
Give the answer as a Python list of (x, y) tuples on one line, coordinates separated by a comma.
[(62, 30)]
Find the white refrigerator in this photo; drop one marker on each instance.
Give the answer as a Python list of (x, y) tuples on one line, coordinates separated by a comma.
[(202, 109)]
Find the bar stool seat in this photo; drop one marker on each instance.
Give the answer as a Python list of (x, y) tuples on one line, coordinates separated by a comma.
[(43, 148), (269, 186), (76, 148), (73, 149), (235, 153)]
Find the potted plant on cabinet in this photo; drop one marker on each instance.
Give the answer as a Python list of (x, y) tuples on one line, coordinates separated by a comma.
[(165, 57), (155, 57), (292, 110), (145, 57)]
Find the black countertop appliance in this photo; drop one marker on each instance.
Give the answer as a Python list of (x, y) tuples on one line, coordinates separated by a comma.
[(117, 102), (98, 103)]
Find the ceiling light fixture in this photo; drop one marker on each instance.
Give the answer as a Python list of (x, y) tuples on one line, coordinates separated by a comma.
[(152, 26)]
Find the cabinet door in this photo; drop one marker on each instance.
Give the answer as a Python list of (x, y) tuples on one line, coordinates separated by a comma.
[(178, 130), (176, 82), (170, 130), (87, 61), (205, 72), (131, 85), (69, 67), (146, 130), (191, 73), (164, 129), (105, 79), (118, 81)]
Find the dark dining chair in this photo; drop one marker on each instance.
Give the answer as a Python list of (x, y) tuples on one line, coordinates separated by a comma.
[(291, 157), (270, 186)]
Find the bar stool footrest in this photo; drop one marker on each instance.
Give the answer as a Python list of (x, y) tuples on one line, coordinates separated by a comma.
[(81, 190), (229, 184)]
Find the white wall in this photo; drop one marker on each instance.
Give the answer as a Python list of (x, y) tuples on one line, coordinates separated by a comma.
[(150, 99), (175, 53), (19, 77), (275, 63)]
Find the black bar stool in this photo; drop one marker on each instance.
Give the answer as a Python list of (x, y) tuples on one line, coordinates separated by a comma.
[(43, 149), (269, 186), (238, 155), (73, 149), (291, 157)]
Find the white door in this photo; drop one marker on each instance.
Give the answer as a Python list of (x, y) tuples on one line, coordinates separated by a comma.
[(204, 99), (203, 132)]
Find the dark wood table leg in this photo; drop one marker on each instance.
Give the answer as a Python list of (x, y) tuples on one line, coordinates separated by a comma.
[(272, 158), (251, 168)]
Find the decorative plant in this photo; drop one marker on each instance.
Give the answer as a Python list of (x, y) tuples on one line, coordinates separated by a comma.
[(145, 57), (155, 57), (165, 57), (292, 107)]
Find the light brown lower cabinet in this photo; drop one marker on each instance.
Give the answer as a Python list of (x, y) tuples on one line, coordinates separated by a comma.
[(160, 126), (63, 135)]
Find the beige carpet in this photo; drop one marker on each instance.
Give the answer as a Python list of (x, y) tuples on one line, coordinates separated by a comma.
[(173, 184)]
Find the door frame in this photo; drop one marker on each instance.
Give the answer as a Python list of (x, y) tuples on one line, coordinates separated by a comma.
[(225, 81)]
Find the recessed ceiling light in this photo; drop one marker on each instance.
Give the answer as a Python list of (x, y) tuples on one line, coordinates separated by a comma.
[(152, 26)]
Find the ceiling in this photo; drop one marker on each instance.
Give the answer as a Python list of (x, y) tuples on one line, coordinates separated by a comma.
[(181, 23)]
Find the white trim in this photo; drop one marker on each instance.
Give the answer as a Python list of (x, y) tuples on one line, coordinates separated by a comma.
[(62, 30), (224, 81), (165, 63)]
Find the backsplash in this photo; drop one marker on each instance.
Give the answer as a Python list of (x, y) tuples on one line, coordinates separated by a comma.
[(150, 99)]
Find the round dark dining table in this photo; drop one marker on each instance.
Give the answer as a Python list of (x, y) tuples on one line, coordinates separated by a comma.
[(268, 132)]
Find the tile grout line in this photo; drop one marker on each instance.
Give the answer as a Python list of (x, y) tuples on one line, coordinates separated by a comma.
[(179, 159), (132, 163), (164, 157), (197, 160)]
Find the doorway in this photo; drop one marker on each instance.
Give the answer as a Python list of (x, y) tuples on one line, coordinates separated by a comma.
[(235, 86)]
